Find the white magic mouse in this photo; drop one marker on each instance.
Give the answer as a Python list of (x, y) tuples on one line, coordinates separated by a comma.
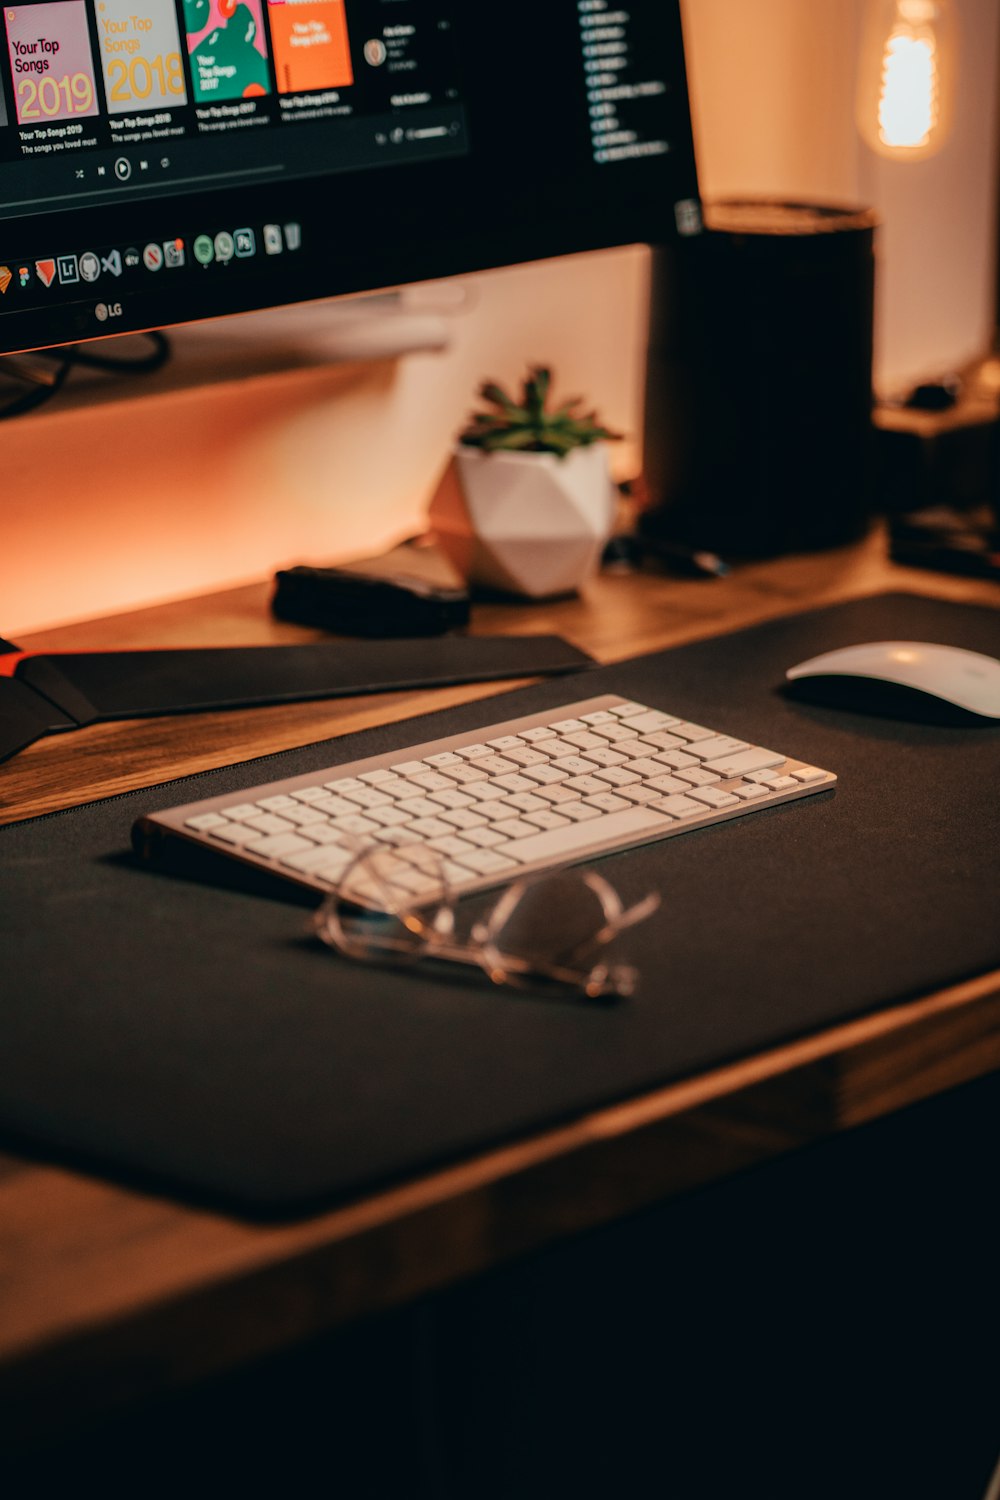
[(888, 675)]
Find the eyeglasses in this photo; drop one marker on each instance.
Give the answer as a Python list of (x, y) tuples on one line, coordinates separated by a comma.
[(547, 933)]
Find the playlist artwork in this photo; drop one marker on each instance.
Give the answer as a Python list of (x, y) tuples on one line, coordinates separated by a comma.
[(311, 46), (228, 49), (50, 62), (140, 54)]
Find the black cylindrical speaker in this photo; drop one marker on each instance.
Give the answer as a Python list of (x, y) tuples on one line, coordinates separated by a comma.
[(758, 433)]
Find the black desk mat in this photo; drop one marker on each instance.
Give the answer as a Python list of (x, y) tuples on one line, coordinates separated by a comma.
[(193, 1037)]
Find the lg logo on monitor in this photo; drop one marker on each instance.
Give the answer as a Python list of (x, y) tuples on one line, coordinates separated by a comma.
[(105, 310)]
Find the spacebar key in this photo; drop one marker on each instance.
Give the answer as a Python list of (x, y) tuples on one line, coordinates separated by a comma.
[(562, 843)]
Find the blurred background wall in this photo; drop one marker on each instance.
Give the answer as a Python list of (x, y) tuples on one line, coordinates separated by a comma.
[(142, 496)]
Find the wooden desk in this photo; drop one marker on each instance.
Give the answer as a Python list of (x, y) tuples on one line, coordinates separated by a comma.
[(108, 1293)]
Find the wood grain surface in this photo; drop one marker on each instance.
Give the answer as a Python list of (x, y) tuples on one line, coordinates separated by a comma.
[(108, 1294)]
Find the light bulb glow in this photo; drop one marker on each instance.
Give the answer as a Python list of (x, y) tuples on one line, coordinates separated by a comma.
[(908, 107), (906, 76)]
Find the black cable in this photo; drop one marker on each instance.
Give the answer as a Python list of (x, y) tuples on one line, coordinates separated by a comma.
[(65, 359)]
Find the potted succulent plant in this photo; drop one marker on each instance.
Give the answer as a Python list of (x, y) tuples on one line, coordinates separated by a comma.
[(527, 502)]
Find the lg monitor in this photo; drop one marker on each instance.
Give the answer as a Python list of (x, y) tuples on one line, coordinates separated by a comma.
[(168, 160)]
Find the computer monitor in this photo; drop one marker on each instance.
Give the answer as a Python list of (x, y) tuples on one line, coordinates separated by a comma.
[(167, 160)]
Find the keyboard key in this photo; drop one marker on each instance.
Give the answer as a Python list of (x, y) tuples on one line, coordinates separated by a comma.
[(497, 765), (464, 774), (549, 775), (605, 758), (667, 783), (713, 796), (203, 822), (718, 745), (556, 795), (562, 843), (444, 758), (419, 807), (691, 732), (678, 759), (487, 791), (512, 783), (585, 784), (535, 736), (368, 797), (599, 716), (526, 757), (275, 804), (346, 784), (473, 752), (269, 823), (463, 818), (514, 828), (389, 817), (276, 844), (808, 773), (487, 862), (527, 802), (614, 732), (303, 816), (680, 806), (579, 812), (373, 778), (748, 760), (547, 819), (617, 776), (745, 791), (355, 823), (663, 740), (451, 798), (585, 739), (638, 793), (485, 838), (505, 742), (568, 726), (235, 833), (573, 765), (698, 776), (431, 781), (322, 833), (606, 801), (317, 861), (430, 828), (240, 810), (646, 723), (403, 768), (450, 843)]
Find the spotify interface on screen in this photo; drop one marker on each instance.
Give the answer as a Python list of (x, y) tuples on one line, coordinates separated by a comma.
[(163, 114), (105, 98)]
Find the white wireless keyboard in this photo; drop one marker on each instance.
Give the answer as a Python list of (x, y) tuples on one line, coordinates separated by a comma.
[(520, 797)]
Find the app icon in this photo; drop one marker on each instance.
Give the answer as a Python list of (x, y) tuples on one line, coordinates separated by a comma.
[(246, 243), (152, 258), (224, 246), (46, 270), (204, 250), (6, 277), (272, 239), (90, 266), (173, 252), (112, 262), (69, 270), (131, 258), (293, 236), (24, 274)]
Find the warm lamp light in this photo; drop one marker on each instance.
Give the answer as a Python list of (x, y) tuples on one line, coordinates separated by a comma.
[(906, 77)]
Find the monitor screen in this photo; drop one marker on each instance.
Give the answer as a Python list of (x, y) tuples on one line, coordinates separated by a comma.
[(164, 160)]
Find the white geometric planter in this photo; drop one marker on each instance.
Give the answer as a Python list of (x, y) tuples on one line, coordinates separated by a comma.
[(525, 523)]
